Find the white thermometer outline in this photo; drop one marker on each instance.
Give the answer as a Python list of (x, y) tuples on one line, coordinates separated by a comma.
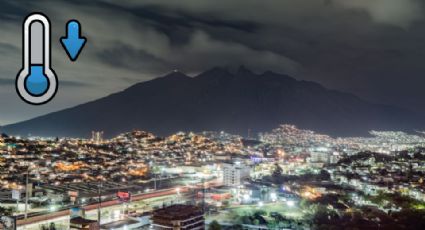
[(48, 71)]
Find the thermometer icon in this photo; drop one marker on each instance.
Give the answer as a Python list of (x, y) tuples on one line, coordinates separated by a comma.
[(36, 83)]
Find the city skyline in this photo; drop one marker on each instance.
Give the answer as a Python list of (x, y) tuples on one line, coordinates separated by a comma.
[(288, 178)]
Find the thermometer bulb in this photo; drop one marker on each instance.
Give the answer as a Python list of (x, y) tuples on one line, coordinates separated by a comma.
[(36, 83)]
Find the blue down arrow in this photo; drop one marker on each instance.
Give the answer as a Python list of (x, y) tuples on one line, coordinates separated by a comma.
[(73, 43)]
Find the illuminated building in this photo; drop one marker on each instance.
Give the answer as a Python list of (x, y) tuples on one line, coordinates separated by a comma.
[(319, 157), (234, 173), (97, 137)]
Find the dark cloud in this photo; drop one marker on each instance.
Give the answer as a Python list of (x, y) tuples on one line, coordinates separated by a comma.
[(395, 12), (74, 84), (127, 57), (7, 82), (11, 82), (373, 48)]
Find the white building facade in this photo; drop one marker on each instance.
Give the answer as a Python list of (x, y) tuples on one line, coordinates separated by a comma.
[(234, 173)]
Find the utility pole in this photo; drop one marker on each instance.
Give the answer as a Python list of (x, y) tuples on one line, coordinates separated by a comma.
[(160, 180), (203, 195), (26, 194), (99, 204)]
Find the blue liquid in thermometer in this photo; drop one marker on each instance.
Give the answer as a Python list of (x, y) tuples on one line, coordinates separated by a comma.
[(37, 82)]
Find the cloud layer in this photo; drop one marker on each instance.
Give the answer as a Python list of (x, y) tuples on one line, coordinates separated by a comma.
[(373, 48)]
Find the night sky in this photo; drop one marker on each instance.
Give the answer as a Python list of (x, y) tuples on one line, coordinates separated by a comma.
[(372, 48)]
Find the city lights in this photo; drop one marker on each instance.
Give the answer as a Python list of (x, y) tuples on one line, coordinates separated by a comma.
[(294, 178)]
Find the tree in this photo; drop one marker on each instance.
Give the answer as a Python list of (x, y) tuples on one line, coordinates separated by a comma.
[(214, 225), (237, 227), (324, 175), (260, 213), (277, 172), (52, 226), (245, 220), (5, 212)]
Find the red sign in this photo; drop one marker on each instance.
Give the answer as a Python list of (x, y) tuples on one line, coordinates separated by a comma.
[(124, 196)]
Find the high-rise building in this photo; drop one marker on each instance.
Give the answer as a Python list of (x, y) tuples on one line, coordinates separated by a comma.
[(97, 137), (178, 217), (234, 173)]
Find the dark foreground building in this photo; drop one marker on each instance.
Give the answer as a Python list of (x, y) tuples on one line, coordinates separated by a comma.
[(178, 217), (79, 223)]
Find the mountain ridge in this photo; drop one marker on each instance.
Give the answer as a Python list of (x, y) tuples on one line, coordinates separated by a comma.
[(219, 99)]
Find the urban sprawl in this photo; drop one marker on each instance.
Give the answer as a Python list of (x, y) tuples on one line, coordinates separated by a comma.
[(288, 178)]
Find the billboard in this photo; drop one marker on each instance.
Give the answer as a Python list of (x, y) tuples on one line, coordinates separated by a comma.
[(76, 212), (16, 194), (124, 196)]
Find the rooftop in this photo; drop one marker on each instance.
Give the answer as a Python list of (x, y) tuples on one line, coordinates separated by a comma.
[(177, 212)]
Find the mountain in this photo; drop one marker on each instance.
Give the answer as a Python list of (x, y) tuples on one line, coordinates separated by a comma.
[(222, 100)]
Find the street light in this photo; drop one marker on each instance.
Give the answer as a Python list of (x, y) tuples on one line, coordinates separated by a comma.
[(273, 196), (26, 190), (99, 204), (178, 194), (290, 203), (246, 197)]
